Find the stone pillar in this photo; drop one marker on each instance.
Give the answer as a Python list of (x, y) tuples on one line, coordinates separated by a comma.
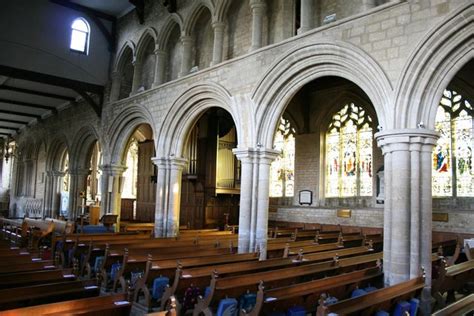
[(408, 204), (52, 202), (307, 16), (78, 178), (187, 46), (254, 198), (218, 42), (115, 87), (168, 195), (258, 10), (112, 184), (137, 77), (160, 63)]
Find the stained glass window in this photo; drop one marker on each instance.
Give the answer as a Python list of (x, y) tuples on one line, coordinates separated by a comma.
[(453, 172), (349, 153), (282, 170)]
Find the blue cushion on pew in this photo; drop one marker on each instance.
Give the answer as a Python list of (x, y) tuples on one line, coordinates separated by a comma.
[(296, 311), (159, 285), (382, 313), (401, 308), (207, 291), (247, 301), (115, 268), (414, 304), (331, 300), (98, 263), (370, 289), (358, 292), (227, 307), (94, 229)]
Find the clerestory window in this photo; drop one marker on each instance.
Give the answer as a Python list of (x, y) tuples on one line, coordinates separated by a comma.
[(80, 33)]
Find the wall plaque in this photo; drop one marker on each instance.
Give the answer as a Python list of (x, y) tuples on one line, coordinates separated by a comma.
[(440, 217), (306, 197), (344, 213)]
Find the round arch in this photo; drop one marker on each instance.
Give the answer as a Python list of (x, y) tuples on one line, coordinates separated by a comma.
[(120, 56), (187, 109), (433, 64), (304, 64), (195, 13), (81, 147), (148, 35), (123, 126), (168, 26), (55, 153)]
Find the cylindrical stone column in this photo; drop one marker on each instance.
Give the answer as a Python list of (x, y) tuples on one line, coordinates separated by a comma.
[(387, 223), (307, 16), (218, 47), (245, 214), (160, 67), (137, 77), (161, 194), (258, 10), (187, 46), (415, 193), (176, 170)]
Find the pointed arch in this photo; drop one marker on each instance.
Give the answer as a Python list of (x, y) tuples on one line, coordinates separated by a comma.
[(128, 45), (431, 66), (185, 112), (306, 63), (221, 10)]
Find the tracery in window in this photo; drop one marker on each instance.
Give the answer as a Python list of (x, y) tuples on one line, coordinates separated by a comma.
[(282, 170), (349, 153), (80, 32), (453, 172)]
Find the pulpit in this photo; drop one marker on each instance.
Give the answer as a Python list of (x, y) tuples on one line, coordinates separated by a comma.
[(94, 211)]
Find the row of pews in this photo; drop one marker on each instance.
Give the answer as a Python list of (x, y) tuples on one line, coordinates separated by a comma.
[(307, 271)]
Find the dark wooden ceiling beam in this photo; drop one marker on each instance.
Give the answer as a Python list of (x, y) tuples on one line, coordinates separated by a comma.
[(13, 121), (6, 134), (36, 116), (38, 93), (95, 16), (50, 79), (96, 107), (27, 104)]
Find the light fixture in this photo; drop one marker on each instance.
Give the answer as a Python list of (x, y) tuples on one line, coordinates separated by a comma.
[(9, 149)]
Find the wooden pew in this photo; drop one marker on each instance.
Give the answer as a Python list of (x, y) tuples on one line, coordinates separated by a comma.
[(460, 307), (369, 303), (46, 293), (35, 277), (101, 305), (168, 267), (234, 286), (307, 293), (450, 279), (25, 267)]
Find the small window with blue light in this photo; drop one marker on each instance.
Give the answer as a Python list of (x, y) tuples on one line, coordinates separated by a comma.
[(80, 33)]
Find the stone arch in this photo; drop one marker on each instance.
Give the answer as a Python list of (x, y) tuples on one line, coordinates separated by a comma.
[(195, 13), (120, 56), (123, 126), (221, 10), (55, 153), (165, 32), (81, 146), (145, 59), (147, 35), (185, 112), (432, 65), (303, 64)]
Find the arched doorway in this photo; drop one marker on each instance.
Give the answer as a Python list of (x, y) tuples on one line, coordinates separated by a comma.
[(210, 189)]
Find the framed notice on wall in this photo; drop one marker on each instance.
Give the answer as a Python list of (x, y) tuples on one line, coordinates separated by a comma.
[(306, 197)]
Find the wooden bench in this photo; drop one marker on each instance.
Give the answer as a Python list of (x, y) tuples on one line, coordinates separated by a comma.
[(450, 279), (46, 293), (371, 302), (460, 307), (102, 305), (235, 285), (307, 294), (35, 277)]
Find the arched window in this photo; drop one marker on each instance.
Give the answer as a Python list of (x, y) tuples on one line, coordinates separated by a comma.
[(80, 33), (282, 170), (349, 153), (453, 173)]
